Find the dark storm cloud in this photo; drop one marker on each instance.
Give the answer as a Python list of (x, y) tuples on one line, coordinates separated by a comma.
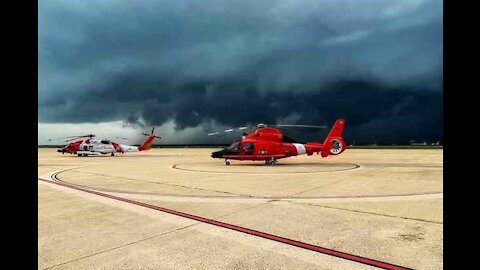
[(378, 64)]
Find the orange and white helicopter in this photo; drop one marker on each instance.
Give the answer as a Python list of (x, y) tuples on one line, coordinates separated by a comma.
[(85, 145), (268, 143)]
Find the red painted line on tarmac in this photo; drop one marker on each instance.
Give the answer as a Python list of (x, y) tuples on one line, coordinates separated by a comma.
[(264, 235)]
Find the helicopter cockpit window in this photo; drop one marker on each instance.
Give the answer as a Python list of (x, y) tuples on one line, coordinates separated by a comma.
[(233, 147), (247, 147)]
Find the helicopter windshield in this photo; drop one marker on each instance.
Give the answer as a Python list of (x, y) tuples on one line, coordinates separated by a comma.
[(234, 146)]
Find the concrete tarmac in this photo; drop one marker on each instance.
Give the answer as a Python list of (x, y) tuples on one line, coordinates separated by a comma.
[(385, 205)]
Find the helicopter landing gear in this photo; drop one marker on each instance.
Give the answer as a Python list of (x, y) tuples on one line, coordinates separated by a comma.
[(113, 154), (227, 162), (271, 162)]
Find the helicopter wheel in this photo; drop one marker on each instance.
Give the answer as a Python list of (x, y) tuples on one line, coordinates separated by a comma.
[(113, 154), (227, 162), (272, 162)]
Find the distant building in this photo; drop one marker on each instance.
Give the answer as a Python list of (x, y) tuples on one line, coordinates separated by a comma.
[(412, 142)]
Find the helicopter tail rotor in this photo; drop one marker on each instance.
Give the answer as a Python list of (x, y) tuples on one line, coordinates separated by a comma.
[(147, 144), (334, 143)]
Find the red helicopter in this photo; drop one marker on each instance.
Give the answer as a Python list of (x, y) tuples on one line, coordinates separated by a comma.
[(269, 144)]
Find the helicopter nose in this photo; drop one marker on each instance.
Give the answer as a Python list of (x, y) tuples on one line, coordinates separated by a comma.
[(217, 154)]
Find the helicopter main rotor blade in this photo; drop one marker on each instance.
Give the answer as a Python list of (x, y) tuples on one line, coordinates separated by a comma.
[(58, 138), (300, 126), (226, 131), (77, 136), (71, 138)]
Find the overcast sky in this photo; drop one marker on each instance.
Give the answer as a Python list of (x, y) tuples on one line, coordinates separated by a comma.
[(115, 68)]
